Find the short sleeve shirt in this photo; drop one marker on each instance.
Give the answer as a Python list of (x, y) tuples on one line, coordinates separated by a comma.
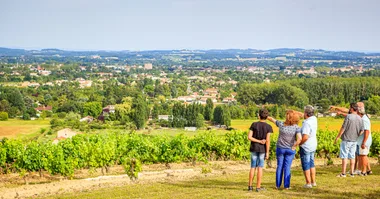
[(366, 127), (309, 128), (352, 125), (260, 131), (287, 136)]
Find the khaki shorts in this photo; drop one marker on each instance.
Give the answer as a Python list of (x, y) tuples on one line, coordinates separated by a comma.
[(364, 151)]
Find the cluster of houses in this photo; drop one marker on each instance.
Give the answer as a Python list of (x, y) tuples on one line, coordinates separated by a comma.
[(82, 83), (39, 70), (210, 93)]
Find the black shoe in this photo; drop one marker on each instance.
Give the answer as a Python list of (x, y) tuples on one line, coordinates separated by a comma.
[(250, 188)]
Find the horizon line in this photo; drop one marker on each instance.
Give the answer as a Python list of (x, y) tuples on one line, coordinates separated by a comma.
[(178, 49)]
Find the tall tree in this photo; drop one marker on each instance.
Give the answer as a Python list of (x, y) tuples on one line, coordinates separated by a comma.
[(222, 115), (140, 109), (4, 106), (209, 109)]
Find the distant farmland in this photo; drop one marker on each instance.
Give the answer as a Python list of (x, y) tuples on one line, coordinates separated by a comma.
[(22, 128), (323, 123)]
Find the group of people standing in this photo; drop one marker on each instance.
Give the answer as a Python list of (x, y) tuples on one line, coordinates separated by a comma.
[(355, 135), (356, 141)]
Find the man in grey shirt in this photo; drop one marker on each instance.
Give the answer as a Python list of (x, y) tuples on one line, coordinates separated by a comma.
[(349, 133)]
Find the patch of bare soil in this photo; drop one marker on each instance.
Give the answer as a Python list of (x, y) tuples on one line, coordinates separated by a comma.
[(13, 186)]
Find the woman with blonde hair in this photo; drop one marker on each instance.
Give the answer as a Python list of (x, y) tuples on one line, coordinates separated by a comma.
[(288, 140)]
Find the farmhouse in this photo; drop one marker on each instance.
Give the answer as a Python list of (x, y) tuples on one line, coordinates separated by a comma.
[(204, 99), (211, 92), (186, 98), (43, 108), (108, 109), (87, 119), (64, 134), (228, 100)]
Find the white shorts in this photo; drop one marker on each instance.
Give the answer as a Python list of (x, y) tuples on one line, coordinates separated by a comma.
[(364, 151)]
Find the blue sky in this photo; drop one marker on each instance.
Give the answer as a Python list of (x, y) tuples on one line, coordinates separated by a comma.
[(190, 24)]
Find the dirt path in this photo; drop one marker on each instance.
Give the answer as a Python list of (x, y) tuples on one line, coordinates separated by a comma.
[(43, 186)]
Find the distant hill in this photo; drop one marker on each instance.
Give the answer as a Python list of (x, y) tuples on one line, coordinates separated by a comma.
[(212, 52), (12, 52)]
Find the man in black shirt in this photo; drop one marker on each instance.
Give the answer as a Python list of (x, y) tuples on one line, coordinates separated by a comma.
[(259, 135)]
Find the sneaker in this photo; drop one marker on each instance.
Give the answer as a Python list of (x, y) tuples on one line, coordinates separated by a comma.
[(260, 189), (369, 172), (357, 172), (314, 184), (352, 175), (308, 186), (250, 188), (342, 175), (363, 174)]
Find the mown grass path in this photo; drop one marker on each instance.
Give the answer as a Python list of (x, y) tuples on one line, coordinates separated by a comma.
[(234, 186)]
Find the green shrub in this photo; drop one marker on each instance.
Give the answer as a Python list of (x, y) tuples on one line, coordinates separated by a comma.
[(26, 116), (42, 130), (62, 115), (3, 116), (56, 123)]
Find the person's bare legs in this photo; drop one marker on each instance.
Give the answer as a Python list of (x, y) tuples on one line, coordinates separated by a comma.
[(356, 162), (312, 171), (364, 160), (251, 176), (368, 165), (344, 165), (307, 176), (259, 176), (352, 166)]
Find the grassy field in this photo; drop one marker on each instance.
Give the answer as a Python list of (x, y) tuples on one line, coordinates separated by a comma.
[(234, 186), (323, 123), (15, 128)]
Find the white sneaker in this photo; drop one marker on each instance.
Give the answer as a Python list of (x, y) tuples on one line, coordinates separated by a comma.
[(308, 186), (314, 184), (341, 175), (357, 172)]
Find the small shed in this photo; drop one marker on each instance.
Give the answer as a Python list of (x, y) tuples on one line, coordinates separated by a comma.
[(66, 133)]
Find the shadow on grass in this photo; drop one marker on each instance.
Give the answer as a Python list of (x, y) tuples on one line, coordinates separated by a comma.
[(323, 193), (330, 189), (297, 192)]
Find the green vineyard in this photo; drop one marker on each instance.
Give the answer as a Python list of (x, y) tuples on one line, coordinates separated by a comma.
[(90, 151)]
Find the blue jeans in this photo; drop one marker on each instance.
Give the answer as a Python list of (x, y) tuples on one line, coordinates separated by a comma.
[(257, 159), (284, 162), (307, 159)]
